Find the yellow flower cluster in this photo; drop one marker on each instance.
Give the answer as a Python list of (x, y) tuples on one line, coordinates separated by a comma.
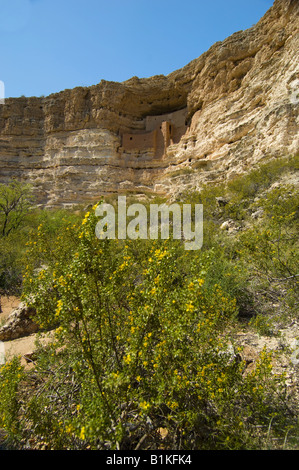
[(85, 218), (172, 404), (128, 359), (189, 307), (125, 263), (59, 308), (62, 281), (159, 254), (82, 433), (144, 405)]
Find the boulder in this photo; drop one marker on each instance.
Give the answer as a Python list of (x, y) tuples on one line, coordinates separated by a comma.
[(19, 323), (221, 201)]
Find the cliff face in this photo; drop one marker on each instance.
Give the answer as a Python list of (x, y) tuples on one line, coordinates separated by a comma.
[(215, 117)]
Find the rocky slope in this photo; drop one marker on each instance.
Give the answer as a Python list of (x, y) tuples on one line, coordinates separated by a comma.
[(217, 116)]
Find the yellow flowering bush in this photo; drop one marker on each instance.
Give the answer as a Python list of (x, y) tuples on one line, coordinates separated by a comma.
[(140, 343), (11, 375)]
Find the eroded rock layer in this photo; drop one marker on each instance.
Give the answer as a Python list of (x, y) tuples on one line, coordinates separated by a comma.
[(231, 107)]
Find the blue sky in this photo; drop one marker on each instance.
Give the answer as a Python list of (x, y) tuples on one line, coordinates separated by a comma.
[(49, 45)]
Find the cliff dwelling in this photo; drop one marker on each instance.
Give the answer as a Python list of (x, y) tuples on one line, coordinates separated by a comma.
[(159, 132), (209, 120)]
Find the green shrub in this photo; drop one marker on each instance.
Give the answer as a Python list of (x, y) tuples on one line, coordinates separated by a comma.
[(270, 248), (11, 375), (140, 345), (243, 189)]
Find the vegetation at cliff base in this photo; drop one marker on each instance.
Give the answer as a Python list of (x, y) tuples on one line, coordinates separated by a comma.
[(143, 352)]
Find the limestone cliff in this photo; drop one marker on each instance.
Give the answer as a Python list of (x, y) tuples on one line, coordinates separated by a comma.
[(217, 116)]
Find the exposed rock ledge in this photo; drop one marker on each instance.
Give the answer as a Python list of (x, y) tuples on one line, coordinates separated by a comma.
[(214, 118), (19, 324)]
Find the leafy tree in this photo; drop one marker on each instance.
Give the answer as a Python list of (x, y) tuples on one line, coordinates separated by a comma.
[(15, 202)]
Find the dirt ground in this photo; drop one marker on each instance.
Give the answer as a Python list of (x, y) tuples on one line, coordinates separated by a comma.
[(8, 304)]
